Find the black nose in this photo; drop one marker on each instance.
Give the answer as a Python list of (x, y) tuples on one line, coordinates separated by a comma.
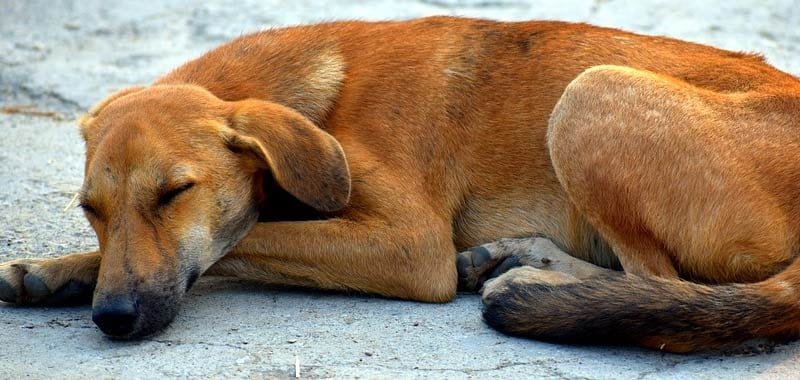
[(115, 316)]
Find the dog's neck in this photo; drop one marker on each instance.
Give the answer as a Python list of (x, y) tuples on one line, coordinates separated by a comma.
[(284, 66), (278, 205)]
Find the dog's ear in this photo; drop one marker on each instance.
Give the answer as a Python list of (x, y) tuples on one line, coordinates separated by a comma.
[(306, 161), (85, 122)]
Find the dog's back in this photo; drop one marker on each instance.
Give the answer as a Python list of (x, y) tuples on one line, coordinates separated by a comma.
[(458, 108)]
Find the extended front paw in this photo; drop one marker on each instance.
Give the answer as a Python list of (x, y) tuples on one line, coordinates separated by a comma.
[(19, 283), (35, 281)]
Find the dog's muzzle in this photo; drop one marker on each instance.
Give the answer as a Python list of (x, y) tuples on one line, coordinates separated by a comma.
[(116, 315)]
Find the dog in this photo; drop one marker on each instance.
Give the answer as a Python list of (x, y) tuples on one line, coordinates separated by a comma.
[(363, 156)]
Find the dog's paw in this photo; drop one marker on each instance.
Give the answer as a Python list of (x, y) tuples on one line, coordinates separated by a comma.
[(479, 264), (473, 266), (28, 281), (19, 283), (482, 263)]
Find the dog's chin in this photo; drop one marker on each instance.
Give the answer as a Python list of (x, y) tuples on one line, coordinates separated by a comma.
[(155, 313)]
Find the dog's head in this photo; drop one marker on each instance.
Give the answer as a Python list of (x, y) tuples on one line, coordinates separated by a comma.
[(174, 179)]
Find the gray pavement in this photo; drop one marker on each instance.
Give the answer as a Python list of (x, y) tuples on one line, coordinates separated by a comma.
[(59, 57)]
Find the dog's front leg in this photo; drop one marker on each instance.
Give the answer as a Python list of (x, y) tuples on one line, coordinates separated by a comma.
[(60, 280), (405, 262)]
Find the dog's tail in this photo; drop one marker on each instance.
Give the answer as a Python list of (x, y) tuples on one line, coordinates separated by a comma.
[(671, 315)]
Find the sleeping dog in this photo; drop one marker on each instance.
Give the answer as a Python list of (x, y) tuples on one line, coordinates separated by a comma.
[(363, 156)]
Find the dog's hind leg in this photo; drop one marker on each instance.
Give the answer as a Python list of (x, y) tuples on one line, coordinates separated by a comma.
[(484, 262), (62, 280), (677, 179)]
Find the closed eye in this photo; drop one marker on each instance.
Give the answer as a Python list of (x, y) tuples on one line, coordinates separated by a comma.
[(167, 197)]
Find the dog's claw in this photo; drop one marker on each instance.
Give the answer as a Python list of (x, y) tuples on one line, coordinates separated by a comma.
[(480, 255), (469, 265), (463, 262)]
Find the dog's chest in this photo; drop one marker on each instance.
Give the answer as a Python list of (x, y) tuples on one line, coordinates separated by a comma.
[(482, 220)]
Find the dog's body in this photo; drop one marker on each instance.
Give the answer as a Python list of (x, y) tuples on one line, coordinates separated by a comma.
[(372, 152)]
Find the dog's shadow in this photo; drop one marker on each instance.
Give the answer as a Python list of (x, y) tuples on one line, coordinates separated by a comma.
[(219, 306)]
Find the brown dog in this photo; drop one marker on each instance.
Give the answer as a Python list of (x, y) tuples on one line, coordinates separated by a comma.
[(363, 156)]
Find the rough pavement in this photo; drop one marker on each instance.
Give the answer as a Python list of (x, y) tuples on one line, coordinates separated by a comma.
[(58, 57)]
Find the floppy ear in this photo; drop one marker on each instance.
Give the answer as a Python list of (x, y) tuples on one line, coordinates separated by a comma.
[(305, 161), (85, 121)]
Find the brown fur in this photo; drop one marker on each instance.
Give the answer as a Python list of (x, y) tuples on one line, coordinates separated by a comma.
[(413, 140)]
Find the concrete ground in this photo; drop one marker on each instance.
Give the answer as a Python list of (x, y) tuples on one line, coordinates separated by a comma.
[(59, 57)]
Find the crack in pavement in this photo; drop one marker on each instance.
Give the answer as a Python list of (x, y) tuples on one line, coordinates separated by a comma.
[(170, 342), (31, 110)]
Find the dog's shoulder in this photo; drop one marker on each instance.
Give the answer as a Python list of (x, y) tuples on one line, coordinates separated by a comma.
[(299, 67)]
